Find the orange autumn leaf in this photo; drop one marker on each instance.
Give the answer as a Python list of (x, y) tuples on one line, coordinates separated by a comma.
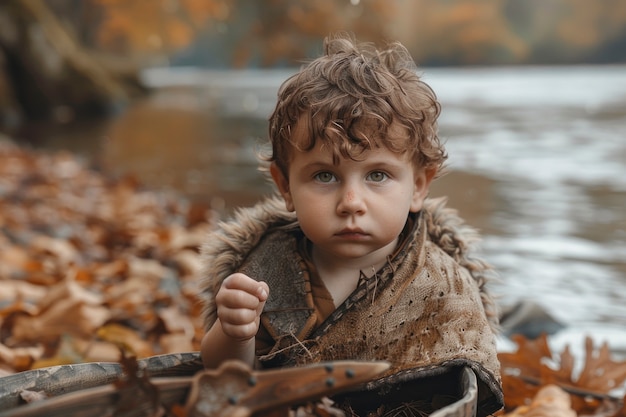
[(527, 359), (533, 366)]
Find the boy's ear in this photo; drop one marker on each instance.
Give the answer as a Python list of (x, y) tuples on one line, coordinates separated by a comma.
[(423, 178), (283, 185)]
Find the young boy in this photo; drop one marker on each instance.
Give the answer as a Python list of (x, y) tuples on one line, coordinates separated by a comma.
[(352, 261)]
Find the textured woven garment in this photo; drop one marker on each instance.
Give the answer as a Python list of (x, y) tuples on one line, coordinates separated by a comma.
[(427, 311)]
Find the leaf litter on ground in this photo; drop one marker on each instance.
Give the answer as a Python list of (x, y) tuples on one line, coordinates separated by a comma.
[(89, 262)]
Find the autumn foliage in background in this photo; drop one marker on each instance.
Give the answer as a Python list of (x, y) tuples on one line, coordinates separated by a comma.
[(155, 25), (240, 33)]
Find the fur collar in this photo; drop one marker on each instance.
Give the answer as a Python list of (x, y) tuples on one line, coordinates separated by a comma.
[(225, 249)]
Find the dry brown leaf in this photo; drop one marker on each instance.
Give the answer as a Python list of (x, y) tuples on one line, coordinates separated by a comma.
[(110, 271), (126, 338), (24, 297), (186, 238), (66, 316), (67, 308), (175, 321), (526, 360), (69, 289), (97, 350), (600, 372), (63, 252), (14, 260), (188, 262), (67, 352), (20, 358), (147, 269), (176, 342), (136, 388)]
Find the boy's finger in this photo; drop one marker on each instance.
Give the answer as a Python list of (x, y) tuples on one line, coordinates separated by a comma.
[(235, 299), (263, 291), (263, 294), (239, 316), (242, 282)]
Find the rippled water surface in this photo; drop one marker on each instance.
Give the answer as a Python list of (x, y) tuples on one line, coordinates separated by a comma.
[(537, 163)]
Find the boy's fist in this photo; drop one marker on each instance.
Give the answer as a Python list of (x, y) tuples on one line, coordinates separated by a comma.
[(240, 302)]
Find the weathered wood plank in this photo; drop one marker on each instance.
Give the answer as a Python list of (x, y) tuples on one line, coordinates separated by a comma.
[(63, 379), (232, 390)]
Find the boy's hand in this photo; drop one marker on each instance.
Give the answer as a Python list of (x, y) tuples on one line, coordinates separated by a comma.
[(240, 302)]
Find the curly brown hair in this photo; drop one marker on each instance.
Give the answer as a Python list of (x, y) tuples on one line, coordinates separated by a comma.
[(354, 98)]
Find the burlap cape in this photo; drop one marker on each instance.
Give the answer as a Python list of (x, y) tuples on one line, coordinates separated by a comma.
[(428, 311)]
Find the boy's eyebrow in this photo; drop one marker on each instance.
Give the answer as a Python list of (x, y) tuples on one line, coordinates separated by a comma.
[(318, 165), (373, 162)]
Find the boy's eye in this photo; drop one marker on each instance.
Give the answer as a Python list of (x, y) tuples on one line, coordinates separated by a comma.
[(376, 176), (324, 177)]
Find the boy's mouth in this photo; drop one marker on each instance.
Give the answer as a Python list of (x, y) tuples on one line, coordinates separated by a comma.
[(351, 232)]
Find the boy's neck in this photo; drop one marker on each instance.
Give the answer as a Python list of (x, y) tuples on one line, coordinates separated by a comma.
[(341, 275)]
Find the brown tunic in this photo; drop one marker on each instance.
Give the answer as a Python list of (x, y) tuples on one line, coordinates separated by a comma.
[(426, 311)]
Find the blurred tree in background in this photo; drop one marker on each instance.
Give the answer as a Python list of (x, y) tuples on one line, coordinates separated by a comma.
[(46, 73), (64, 58)]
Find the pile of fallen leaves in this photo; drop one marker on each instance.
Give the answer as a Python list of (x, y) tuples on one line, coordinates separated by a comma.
[(89, 263)]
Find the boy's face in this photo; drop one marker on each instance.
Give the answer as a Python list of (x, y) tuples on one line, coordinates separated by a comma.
[(355, 208)]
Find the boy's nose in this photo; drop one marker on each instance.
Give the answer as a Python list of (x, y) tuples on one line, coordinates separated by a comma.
[(350, 202)]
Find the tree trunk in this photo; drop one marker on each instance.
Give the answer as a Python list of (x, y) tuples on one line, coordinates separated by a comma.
[(51, 75), (10, 112)]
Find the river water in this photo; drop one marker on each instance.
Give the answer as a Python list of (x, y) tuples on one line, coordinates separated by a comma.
[(537, 163)]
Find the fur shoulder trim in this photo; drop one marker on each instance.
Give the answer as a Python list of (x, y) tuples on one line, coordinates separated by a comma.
[(227, 246)]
